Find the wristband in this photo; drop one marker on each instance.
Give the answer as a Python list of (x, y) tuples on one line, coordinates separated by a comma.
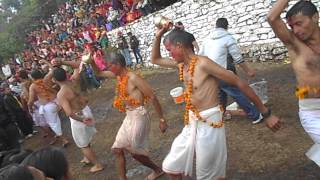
[(266, 114)]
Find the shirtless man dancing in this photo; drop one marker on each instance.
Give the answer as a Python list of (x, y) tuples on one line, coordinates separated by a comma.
[(75, 105), (303, 43), (41, 90), (203, 136), (133, 92)]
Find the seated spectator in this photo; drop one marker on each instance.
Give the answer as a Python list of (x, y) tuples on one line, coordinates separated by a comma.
[(18, 172), (14, 156), (112, 17), (145, 7), (16, 112), (51, 161), (9, 133)]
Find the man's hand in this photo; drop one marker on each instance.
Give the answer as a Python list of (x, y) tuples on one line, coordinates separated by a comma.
[(273, 122), (162, 31), (88, 121), (251, 73), (163, 125)]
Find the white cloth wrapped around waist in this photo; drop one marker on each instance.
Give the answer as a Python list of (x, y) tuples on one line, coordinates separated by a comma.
[(207, 142), (309, 104), (309, 113), (82, 134), (134, 131)]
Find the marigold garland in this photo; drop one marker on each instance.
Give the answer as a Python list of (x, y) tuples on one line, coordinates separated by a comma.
[(302, 92), (122, 98), (188, 94), (44, 90)]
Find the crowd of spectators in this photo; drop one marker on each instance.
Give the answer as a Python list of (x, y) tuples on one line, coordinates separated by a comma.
[(79, 27)]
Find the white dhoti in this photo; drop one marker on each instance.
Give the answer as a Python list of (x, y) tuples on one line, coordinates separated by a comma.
[(38, 118), (134, 131), (82, 134), (309, 112), (208, 144), (50, 113)]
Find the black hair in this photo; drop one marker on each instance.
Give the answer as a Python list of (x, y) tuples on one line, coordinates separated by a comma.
[(50, 160), (37, 74), (59, 74), (179, 36), (179, 23), (115, 58), (307, 8), (23, 74), (222, 23), (14, 156), (15, 172)]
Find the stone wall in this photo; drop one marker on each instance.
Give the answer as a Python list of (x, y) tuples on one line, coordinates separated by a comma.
[(247, 22)]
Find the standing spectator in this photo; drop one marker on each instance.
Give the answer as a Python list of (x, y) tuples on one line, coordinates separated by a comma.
[(216, 47), (124, 48), (180, 26), (134, 44), (6, 70)]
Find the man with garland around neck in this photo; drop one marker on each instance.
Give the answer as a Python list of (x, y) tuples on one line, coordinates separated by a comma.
[(132, 94), (42, 90), (203, 136), (303, 43)]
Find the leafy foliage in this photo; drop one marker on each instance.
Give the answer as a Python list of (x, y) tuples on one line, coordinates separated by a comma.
[(24, 16)]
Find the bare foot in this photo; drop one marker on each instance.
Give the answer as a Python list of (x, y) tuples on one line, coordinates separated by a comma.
[(154, 175), (65, 143), (53, 141), (96, 168), (85, 161)]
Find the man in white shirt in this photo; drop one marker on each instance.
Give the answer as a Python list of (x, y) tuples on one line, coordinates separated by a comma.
[(217, 46)]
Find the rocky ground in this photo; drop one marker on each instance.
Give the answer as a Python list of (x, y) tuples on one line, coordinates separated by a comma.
[(254, 152)]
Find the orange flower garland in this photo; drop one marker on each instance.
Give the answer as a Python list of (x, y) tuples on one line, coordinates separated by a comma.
[(44, 90), (188, 93), (302, 92), (122, 98)]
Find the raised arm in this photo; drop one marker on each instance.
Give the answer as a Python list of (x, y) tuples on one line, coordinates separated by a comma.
[(105, 74), (32, 97), (278, 25), (215, 70), (156, 54)]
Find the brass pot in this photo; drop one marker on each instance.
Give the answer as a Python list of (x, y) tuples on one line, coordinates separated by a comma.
[(160, 21)]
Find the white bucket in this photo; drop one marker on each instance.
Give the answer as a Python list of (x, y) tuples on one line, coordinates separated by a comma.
[(177, 95)]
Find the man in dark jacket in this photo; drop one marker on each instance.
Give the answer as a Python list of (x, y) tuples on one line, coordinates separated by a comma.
[(134, 44)]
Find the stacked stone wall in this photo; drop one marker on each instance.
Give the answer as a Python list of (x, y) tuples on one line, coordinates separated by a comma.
[(247, 22)]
